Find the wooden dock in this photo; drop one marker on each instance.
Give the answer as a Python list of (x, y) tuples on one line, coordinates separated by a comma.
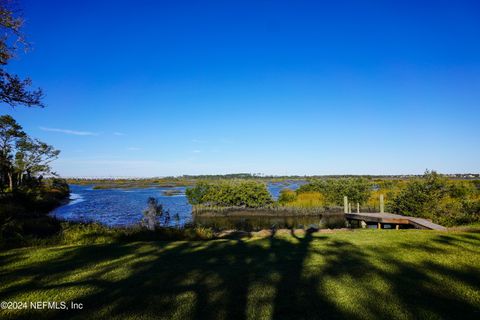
[(396, 220)]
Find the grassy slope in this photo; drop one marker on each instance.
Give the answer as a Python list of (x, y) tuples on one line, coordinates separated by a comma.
[(363, 274)]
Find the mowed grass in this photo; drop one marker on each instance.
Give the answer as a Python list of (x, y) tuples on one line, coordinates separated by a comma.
[(363, 274)]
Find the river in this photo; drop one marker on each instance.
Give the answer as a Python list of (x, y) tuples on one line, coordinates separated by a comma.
[(124, 207)]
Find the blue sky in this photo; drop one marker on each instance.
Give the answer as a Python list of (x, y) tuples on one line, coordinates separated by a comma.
[(154, 88)]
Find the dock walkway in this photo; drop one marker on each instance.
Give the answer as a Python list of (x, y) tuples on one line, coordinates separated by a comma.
[(395, 219)]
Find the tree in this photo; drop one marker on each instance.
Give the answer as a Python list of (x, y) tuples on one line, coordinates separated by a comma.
[(421, 197), (154, 210), (33, 158), (14, 91), (22, 156), (10, 133)]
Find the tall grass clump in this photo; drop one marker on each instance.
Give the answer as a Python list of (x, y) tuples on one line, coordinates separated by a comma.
[(311, 199)]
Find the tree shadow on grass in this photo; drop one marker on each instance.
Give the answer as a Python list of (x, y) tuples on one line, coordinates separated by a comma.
[(297, 277)]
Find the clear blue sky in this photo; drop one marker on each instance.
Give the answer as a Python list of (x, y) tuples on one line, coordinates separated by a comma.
[(153, 88)]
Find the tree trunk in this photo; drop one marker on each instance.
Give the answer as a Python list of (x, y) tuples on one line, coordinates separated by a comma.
[(10, 181)]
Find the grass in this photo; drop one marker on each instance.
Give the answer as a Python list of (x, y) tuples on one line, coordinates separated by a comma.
[(279, 211), (363, 274), (310, 199)]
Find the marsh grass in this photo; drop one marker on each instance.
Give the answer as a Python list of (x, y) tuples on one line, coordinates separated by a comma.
[(93, 233), (309, 199), (77, 233), (273, 210), (173, 192), (100, 184)]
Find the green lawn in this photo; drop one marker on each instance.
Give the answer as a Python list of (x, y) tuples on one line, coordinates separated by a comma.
[(364, 274)]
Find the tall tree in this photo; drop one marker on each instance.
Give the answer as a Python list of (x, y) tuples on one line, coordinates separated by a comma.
[(33, 158), (22, 156), (10, 133), (14, 90)]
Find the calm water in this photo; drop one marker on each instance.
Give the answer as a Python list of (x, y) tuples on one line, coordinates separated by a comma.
[(123, 207)]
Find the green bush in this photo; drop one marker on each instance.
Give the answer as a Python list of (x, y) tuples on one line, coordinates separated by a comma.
[(356, 189), (436, 198), (198, 194), (247, 194), (286, 196)]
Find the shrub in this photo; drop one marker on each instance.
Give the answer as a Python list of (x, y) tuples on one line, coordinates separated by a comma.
[(197, 194), (154, 210), (434, 197), (246, 194), (286, 196), (199, 233), (356, 189), (420, 196)]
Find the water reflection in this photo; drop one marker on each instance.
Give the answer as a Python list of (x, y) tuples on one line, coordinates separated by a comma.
[(255, 223)]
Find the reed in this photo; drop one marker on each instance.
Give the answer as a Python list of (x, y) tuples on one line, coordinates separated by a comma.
[(310, 199), (274, 210)]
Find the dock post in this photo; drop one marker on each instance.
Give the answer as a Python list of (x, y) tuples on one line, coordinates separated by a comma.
[(379, 225), (358, 207), (345, 204), (382, 205), (397, 227)]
